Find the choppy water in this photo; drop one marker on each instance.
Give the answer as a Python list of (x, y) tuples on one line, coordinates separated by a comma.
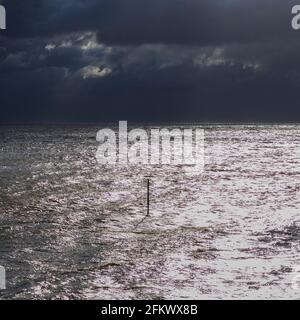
[(70, 228)]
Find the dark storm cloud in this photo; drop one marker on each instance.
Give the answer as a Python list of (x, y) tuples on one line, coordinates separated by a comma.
[(194, 22), (148, 60), (199, 22), (41, 18)]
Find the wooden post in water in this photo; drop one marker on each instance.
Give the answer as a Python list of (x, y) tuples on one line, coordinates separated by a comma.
[(148, 197)]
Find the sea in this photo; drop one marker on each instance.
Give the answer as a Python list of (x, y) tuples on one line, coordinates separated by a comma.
[(73, 229)]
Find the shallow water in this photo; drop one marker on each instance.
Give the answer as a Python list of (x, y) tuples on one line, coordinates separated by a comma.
[(73, 229)]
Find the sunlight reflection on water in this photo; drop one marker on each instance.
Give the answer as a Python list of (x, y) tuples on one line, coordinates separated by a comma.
[(69, 228)]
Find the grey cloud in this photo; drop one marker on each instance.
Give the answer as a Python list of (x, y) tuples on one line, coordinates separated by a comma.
[(132, 22), (184, 60)]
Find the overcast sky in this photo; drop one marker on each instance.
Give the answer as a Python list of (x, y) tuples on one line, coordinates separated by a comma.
[(149, 60)]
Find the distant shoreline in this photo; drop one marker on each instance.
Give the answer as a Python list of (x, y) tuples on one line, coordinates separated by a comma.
[(132, 124)]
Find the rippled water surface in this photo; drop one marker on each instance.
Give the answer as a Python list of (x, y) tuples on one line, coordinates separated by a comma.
[(73, 229)]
